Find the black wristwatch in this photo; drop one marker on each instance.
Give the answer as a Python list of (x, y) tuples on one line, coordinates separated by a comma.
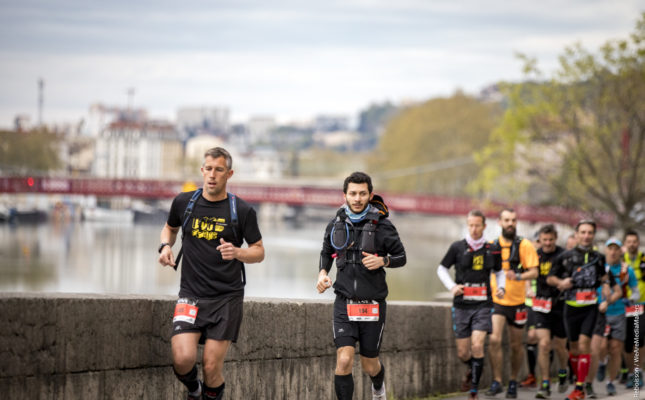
[(162, 245)]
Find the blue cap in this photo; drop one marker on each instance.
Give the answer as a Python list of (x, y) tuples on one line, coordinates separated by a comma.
[(615, 241)]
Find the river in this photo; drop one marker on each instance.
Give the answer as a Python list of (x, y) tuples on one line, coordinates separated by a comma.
[(90, 257)]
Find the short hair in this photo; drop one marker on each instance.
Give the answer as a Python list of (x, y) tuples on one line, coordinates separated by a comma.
[(358, 177), (548, 229), (586, 222), (509, 209), (631, 232), (477, 213), (217, 152)]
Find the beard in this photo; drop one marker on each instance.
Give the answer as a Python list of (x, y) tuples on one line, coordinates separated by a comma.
[(509, 232), (354, 211)]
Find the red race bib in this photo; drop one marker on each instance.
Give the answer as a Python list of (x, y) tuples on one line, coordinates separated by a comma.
[(542, 304), (632, 311), (521, 316), (586, 296), (362, 311), (185, 312), (477, 293)]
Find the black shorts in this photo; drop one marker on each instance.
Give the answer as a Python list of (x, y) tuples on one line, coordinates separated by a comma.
[(580, 321), (516, 316), (553, 321), (630, 337), (531, 318), (368, 333), (467, 320), (217, 319), (601, 328)]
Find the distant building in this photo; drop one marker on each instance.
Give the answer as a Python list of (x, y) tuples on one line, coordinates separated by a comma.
[(332, 123), (259, 128), (192, 121), (100, 116), (139, 150)]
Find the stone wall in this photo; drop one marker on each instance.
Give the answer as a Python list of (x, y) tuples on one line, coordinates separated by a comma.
[(67, 346)]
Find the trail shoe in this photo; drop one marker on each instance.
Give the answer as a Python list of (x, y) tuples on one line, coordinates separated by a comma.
[(624, 375), (629, 382), (511, 392), (472, 395), (544, 392), (589, 391), (576, 395), (495, 388), (379, 394), (611, 389), (529, 382)]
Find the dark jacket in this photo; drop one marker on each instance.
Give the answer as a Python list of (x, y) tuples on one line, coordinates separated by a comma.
[(353, 280)]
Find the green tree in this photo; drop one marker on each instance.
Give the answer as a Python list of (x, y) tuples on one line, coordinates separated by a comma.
[(577, 137), (31, 152), (428, 148)]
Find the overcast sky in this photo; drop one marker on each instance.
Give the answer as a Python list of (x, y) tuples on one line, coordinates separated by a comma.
[(290, 59)]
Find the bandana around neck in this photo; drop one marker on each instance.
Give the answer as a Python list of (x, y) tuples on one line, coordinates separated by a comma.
[(475, 244), (356, 217)]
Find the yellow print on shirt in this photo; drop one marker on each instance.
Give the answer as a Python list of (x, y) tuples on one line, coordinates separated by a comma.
[(545, 267), (208, 227), (478, 262)]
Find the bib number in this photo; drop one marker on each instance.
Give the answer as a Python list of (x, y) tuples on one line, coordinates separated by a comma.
[(586, 296), (362, 310), (476, 293), (185, 311), (542, 304), (521, 316), (633, 311)]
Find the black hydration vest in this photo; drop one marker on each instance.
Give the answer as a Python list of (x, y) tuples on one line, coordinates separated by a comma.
[(350, 240), (514, 258)]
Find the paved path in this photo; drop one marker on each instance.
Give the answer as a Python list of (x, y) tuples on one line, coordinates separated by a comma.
[(529, 394)]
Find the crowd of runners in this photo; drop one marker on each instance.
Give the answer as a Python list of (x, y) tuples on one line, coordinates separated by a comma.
[(581, 308)]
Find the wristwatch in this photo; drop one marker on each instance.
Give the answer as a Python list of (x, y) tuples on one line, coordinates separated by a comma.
[(162, 245)]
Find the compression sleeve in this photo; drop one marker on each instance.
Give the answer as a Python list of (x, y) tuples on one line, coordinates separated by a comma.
[(445, 277), (501, 279)]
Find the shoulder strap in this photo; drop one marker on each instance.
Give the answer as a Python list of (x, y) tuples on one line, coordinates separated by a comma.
[(232, 201), (187, 213)]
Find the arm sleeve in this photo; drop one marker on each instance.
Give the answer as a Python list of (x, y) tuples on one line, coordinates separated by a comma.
[(445, 277), (501, 279), (393, 246), (326, 259)]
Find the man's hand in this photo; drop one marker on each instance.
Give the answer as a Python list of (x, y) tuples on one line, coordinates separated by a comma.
[(227, 249), (511, 275), (565, 284), (602, 307), (324, 281), (166, 258), (500, 292), (457, 290), (372, 261)]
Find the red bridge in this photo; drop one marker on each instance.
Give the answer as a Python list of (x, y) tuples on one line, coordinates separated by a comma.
[(289, 193)]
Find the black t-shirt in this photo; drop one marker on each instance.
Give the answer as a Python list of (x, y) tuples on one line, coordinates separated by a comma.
[(585, 268), (204, 275), (546, 263), (473, 269)]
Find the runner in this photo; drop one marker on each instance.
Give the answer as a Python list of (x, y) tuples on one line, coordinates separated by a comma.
[(548, 306), (474, 260), (636, 259), (363, 242), (209, 310), (520, 262), (579, 272)]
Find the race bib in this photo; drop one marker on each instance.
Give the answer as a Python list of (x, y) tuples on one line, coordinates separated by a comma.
[(364, 310), (607, 330), (185, 311), (542, 304), (633, 311), (586, 296), (477, 293), (521, 315)]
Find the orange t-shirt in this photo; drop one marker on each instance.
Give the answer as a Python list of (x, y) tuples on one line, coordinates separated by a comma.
[(515, 290)]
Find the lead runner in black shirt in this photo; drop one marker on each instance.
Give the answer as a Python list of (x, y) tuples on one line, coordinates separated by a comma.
[(209, 309), (474, 260)]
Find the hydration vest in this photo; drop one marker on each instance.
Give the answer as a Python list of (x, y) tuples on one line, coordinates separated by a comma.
[(350, 240), (514, 256)]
